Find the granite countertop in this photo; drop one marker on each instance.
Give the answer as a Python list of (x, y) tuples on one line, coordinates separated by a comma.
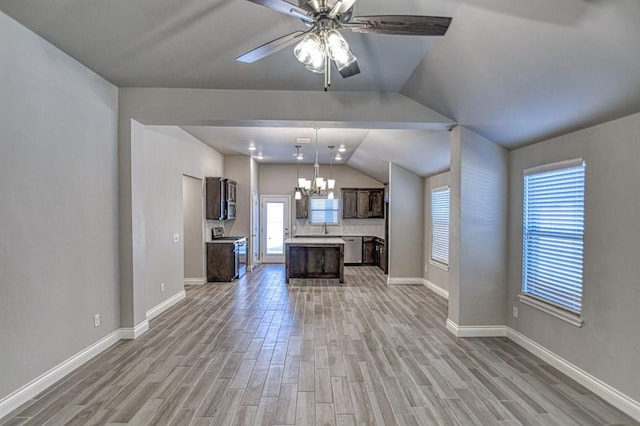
[(310, 241)]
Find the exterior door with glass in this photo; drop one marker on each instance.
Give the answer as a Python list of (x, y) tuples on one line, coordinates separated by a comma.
[(274, 228)]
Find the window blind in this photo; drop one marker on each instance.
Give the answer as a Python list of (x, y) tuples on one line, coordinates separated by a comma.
[(324, 210), (553, 233), (440, 225)]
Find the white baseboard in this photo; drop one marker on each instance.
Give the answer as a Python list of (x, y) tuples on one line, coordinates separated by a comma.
[(135, 332), (404, 280), (154, 312), (614, 397), (436, 288), (476, 330), (39, 384), (195, 281)]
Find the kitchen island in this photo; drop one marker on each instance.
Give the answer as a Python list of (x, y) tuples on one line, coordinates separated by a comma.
[(314, 258)]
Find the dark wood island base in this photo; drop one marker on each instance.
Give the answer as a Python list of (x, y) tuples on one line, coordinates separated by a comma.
[(314, 258)]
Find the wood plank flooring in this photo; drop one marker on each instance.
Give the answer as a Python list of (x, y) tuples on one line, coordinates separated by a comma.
[(260, 352)]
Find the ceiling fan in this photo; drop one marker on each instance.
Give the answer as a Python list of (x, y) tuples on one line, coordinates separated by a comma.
[(322, 43)]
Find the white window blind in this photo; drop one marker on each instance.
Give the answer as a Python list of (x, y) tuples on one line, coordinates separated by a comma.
[(553, 231), (440, 225), (324, 210)]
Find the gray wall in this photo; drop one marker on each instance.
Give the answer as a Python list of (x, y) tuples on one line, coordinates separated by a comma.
[(608, 344), (478, 244), (193, 227), (406, 224), (238, 168), (436, 274), (58, 186), (169, 153)]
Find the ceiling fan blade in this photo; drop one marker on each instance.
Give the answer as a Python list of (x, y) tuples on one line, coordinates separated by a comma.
[(400, 25), (269, 48), (285, 7), (350, 71)]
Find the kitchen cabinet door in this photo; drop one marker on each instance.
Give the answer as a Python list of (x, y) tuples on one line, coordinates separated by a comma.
[(222, 262), (363, 204), (368, 249), (302, 207), (216, 203), (376, 203), (349, 203)]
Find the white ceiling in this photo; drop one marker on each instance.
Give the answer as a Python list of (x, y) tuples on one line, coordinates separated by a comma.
[(514, 71)]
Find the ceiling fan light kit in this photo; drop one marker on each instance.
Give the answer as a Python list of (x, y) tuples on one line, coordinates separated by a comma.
[(323, 43)]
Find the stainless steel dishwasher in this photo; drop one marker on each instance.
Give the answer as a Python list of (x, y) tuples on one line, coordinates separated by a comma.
[(352, 250)]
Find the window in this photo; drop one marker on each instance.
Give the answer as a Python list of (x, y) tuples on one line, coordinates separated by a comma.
[(324, 210), (553, 231), (440, 225)]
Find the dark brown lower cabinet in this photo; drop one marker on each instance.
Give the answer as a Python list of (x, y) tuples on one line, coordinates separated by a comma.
[(222, 261), (304, 261), (368, 250), (380, 254)]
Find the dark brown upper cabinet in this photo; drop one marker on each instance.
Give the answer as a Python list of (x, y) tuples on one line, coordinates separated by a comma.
[(302, 207), (220, 199), (363, 203)]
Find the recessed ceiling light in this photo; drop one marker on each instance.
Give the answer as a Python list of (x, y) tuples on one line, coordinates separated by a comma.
[(342, 148), (303, 140), (259, 156), (252, 147), (338, 157)]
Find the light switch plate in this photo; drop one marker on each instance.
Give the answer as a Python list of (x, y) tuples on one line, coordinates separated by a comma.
[(176, 238), (515, 312)]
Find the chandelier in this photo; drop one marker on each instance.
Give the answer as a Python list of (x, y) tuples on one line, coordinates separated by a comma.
[(317, 50), (317, 186)]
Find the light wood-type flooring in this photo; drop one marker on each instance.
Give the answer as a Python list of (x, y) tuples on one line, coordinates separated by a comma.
[(260, 352)]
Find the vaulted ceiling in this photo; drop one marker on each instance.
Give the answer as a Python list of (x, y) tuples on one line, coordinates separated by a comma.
[(513, 71)]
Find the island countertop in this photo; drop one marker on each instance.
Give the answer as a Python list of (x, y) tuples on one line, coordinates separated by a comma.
[(313, 241)]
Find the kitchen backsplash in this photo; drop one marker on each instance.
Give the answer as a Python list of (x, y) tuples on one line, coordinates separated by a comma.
[(373, 227)]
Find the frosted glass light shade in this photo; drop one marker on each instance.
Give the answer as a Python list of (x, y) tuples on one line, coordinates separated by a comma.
[(338, 49), (298, 195), (330, 195), (331, 183), (310, 50), (301, 182)]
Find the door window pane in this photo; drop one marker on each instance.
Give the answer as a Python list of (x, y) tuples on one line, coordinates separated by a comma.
[(275, 228)]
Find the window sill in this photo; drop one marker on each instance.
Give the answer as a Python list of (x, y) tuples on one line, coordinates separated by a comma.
[(571, 318), (439, 265)]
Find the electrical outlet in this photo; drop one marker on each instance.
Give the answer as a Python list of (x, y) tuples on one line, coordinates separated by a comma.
[(96, 320), (515, 312), (161, 287)]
